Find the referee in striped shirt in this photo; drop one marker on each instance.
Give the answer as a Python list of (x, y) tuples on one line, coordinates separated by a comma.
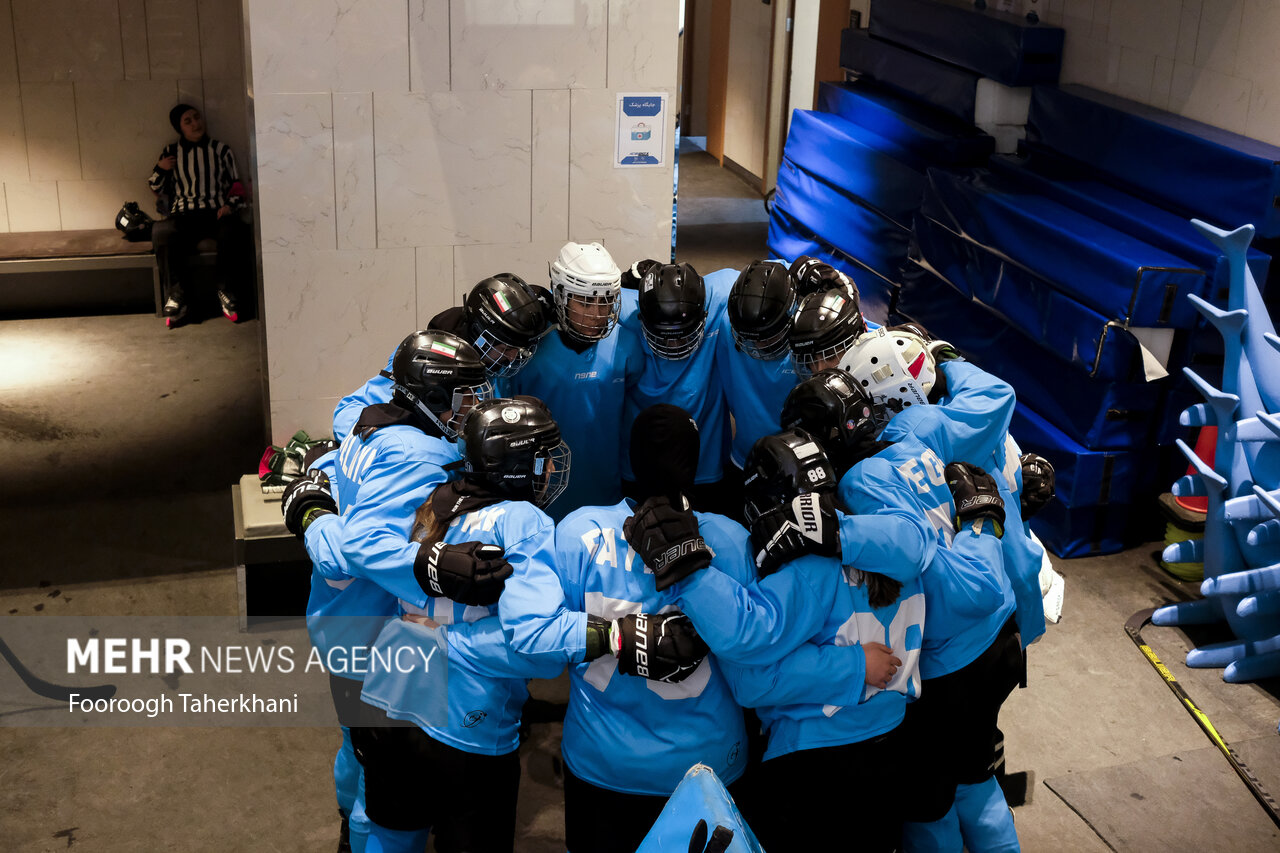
[(197, 176)]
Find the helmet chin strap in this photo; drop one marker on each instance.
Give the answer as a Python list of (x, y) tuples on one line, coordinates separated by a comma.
[(420, 408)]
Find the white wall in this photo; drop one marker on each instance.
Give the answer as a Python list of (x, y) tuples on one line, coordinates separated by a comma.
[(409, 148), (85, 92), (1216, 61)]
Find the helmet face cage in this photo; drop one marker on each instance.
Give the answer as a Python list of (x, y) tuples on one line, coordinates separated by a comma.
[(894, 368), (812, 361), (676, 347), (550, 473), (501, 359), (832, 319), (765, 349), (466, 398), (607, 304)]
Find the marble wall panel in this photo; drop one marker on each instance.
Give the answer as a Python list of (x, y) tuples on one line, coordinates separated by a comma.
[(4, 212), (363, 297), (550, 165), (1145, 24), (1218, 35), (13, 139), (226, 115), (340, 46), (1264, 112), (295, 192), (315, 415), (428, 45), (122, 125), (527, 260), (67, 40), (1217, 99), (49, 114), (1259, 54), (33, 206), (626, 207), (1188, 32), (94, 204), (221, 40), (8, 52), (357, 206), (190, 92), (550, 44), (434, 272), (1136, 72), (173, 38), (133, 39), (642, 43), (453, 168)]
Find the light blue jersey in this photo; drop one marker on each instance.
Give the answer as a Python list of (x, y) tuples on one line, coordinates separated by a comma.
[(849, 621), (487, 680), (618, 724), (754, 390), (690, 383), (976, 410), (586, 392)]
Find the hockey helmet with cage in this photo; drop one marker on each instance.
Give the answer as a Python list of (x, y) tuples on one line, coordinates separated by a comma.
[(826, 324), (761, 304), (436, 373), (834, 409), (673, 310), (505, 319), (781, 467), (584, 276), (812, 275), (513, 445), (894, 367)]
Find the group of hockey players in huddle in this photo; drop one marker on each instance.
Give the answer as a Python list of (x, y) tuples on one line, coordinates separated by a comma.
[(873, 610)]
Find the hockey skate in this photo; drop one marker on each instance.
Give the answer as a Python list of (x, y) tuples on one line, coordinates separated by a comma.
[(228, 305), (175, 307)]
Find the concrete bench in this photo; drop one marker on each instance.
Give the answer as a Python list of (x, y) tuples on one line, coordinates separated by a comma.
[(77, 251)]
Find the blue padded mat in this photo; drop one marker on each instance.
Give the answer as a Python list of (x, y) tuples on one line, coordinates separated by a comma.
[(1084, 477), (1098, 415), (789, 240), (864, 166), (1117, 275), (1072, 331), (1079, 188), (1088, 531), (840, 221), (1195, 169), (929, 134), (1007, 48), (948, 87)]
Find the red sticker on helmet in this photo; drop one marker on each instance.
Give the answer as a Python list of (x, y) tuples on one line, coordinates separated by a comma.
[(916, 366)]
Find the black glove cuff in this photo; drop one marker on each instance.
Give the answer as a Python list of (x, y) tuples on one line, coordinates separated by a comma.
[(426, 568), (597, 637)]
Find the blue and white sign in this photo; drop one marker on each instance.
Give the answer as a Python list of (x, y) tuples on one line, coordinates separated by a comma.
[(641, 135)]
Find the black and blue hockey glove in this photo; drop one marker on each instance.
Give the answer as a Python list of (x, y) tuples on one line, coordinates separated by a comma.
[(1038, 482), (469, 572), (976, 496), (305, 499), (657, 646), (665, 537)]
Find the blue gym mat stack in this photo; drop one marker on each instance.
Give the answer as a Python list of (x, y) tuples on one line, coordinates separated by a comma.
[(1065, 268)]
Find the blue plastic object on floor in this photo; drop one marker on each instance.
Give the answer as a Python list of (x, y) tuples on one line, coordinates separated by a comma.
[(700, 816)]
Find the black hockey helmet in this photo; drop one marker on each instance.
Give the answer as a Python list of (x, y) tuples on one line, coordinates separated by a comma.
[(813, 275), (826, 324), (834, 409), (673, 309), (506, 318), (513, 445), (434, 373), (781, 467), (761, 304)]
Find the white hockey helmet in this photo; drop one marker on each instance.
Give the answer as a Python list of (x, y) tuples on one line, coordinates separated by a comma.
[(895, 368), (585, 274)]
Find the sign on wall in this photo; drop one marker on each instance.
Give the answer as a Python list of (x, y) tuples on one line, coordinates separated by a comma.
[(642, 123)]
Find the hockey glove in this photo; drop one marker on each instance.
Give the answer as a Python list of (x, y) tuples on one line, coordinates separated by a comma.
[(1038, 481), (634, 274), (657, 646), (469, 572), (809, 526), (306, 499), (666, 538), (975, 494), (317, 450), (813, 275)]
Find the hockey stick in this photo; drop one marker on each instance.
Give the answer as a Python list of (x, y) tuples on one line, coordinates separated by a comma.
[(47, 689), (1133, 628)]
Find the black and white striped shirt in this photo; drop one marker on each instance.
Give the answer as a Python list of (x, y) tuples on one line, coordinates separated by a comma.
[(202, 176)]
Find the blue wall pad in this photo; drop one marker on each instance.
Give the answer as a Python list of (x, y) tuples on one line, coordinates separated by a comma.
[(931, 135), (1079, 187), (1193, 168), (864, 166), (840, 221), (1007, 48), (1070, 330), (1088, 531), (948, 87), (1115, 274), (1098, 415), (1084, 477), (789, 240)]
